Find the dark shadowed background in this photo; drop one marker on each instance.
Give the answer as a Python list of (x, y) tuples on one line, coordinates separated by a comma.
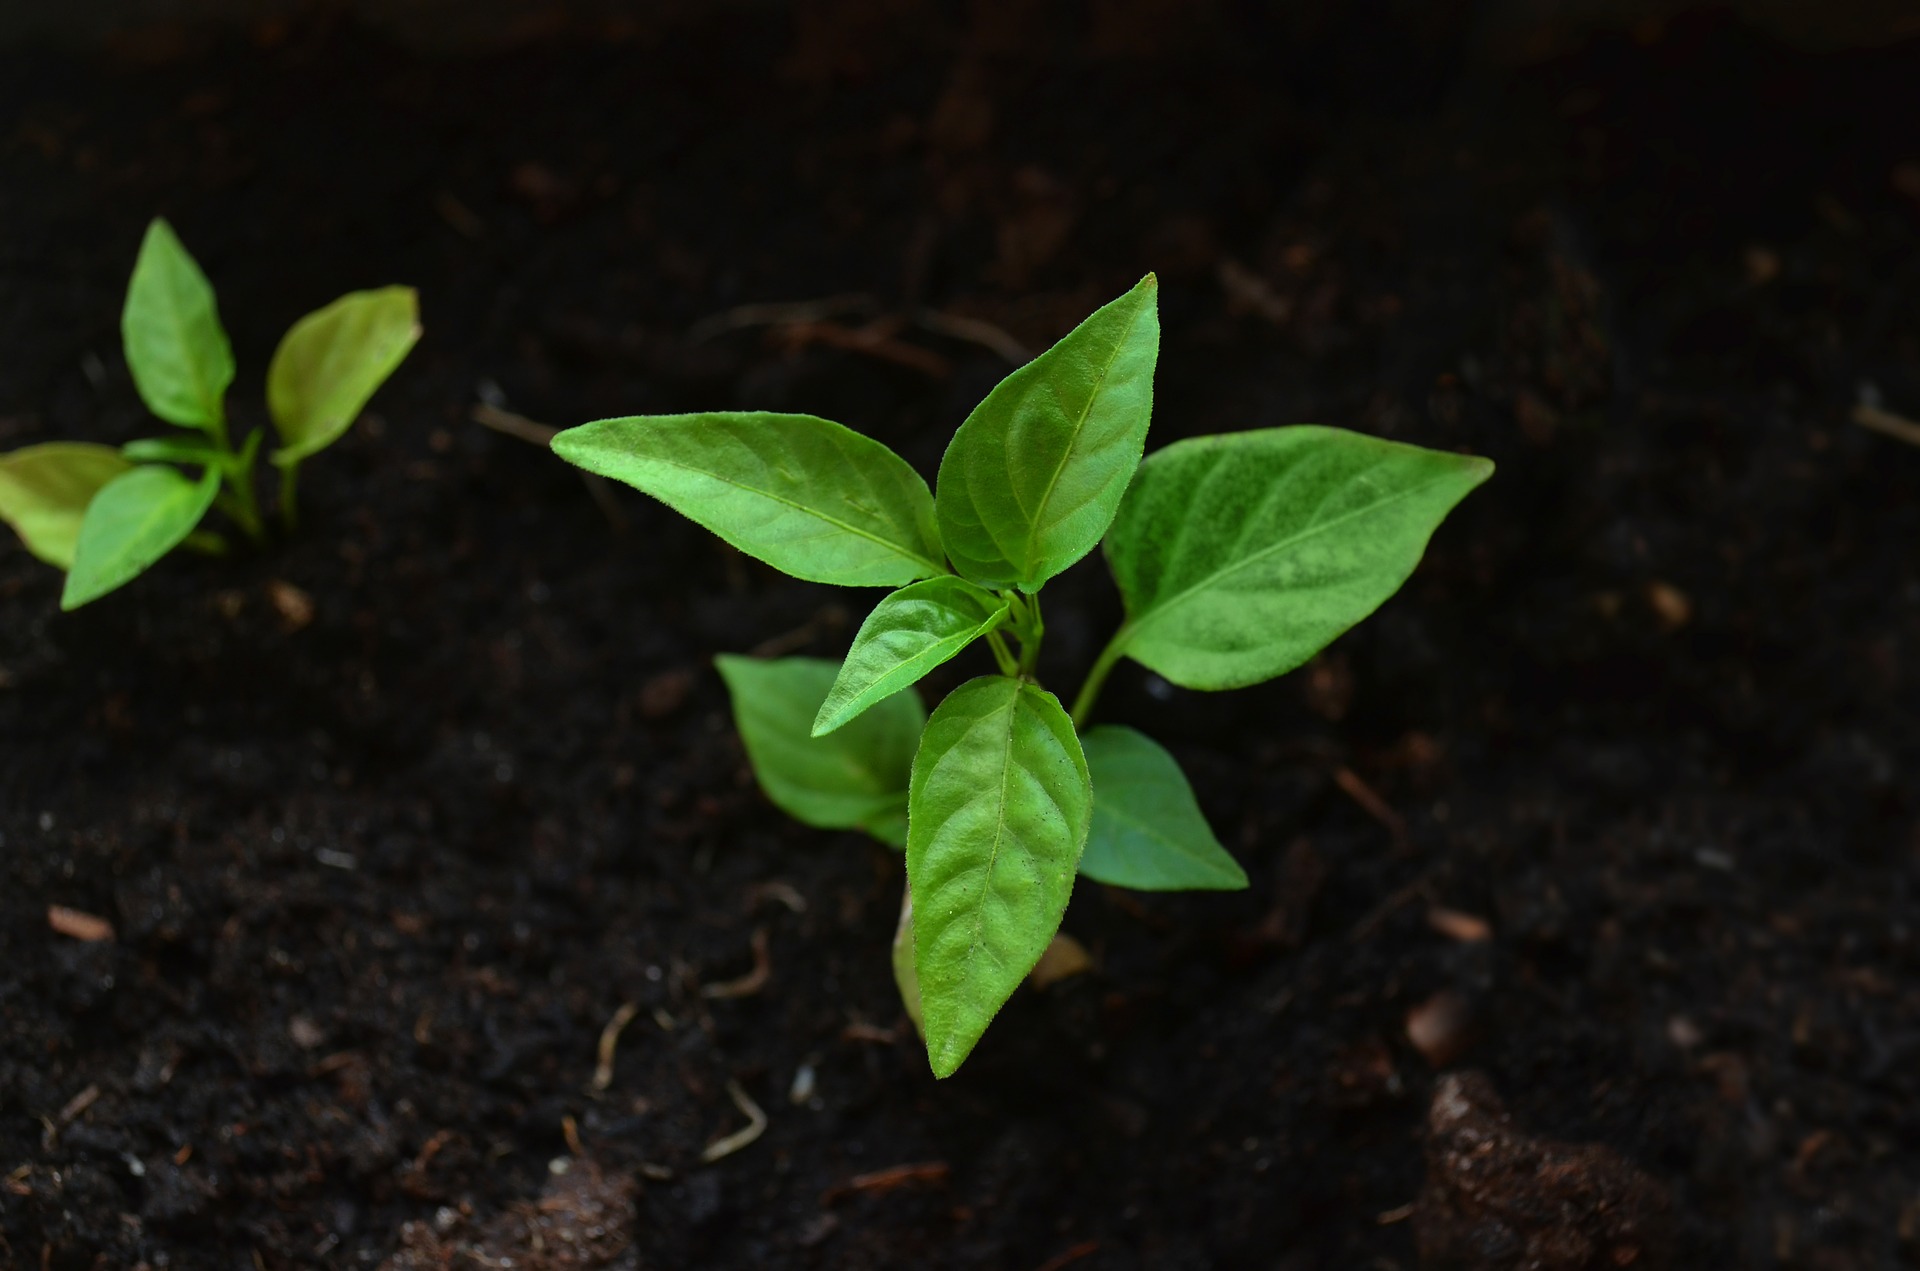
[(1610, 817)]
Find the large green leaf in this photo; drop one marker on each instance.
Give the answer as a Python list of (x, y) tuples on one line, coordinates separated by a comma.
[(909, 633), (137, 518), (45, 489), (853, 779), (1032, 478), (331, 361), (1148, 831), (175, 346), (999, 811), (1241, 556), (805, 495)]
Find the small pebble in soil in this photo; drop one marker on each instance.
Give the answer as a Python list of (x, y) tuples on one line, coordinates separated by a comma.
[(1441, 1028), (1497, 1199)]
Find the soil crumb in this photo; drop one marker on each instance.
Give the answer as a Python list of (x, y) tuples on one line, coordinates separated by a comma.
[(1497, 1199)]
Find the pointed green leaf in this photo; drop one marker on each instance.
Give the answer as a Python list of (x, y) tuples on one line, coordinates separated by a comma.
[(1148, 831), (805, 495), (1241, 556), (854, 779), (1032, 478), (908, 634), (331, 361), (137, 518), (905, 978), (175, 346), (998, 813), (45, 489)]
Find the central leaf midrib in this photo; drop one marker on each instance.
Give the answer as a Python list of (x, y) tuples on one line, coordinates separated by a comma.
[(178, 319), (1033, 527), (979, 908), (834, 521), (1160, 610), (925, 656)]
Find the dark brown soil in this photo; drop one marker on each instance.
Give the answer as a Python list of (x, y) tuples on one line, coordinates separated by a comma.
[(379, 881)]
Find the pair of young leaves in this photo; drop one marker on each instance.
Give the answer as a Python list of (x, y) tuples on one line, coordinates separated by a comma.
[(106, 515), (1238, 556)]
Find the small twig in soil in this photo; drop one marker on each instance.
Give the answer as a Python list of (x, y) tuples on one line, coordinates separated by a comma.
[(876, 340), (1411, 892), (774, 889), (777, 314), (756, 1126), (974, 331), (1455, 925), (886, 1180), (74, 1107), (81, 926), (609, 1039), (1399, 1213), (487, 415), (570, 1131), (1085, 1249), (861, 1031), (753, 981), (1372, 804), (1885, 421)]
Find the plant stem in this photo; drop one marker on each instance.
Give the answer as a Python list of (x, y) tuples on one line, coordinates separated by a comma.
[(1032, 631), (240, 505), (1003, 655), (289, 504), (1097, 677), (238, 500)]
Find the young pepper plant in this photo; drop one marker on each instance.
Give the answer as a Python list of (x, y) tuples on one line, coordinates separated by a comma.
[(105, 515), (1238, 558)]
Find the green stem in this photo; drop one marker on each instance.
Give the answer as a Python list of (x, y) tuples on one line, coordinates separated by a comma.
[(289, 502), (1002, 654), (1097, 677), (244, 511), (1032, 631), (237, 500)]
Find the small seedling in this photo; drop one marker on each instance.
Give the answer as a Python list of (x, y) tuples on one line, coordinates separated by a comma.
[(1238, 557), (105, 515)]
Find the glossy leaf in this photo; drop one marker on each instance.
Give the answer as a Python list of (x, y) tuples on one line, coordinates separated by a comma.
[(999, 811), (45, 489), (1032, 478), (1148, 831), (170, 329), (137, 518), (854, 779), (805, 495), (909, 633), (331, 361), (1241, 556)]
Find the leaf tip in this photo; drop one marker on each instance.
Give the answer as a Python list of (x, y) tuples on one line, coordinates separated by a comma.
[(945, 1059)]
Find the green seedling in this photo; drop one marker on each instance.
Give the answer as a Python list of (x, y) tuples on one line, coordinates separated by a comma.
[(1238, 557), (105, 515)]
